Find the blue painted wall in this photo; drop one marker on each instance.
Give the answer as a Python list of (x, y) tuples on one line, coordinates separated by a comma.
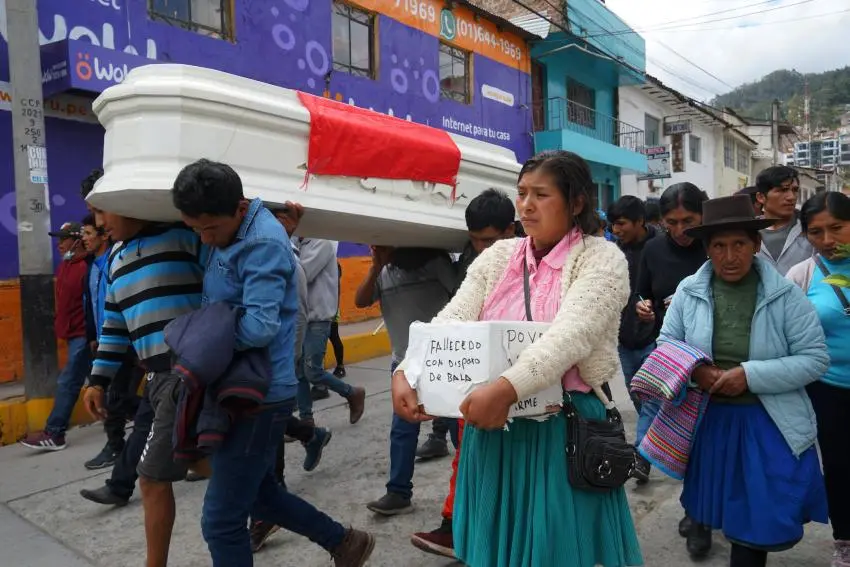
[(591, 19)]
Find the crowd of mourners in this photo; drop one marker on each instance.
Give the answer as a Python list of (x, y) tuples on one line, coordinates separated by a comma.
[(725, 317)]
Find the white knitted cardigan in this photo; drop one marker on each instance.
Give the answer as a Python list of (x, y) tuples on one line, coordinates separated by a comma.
[(595, 289)]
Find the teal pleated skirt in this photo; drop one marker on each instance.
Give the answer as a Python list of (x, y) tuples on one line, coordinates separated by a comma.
[(515, 507)]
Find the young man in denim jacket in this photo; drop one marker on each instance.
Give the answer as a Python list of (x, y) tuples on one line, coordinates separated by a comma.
[(249, 264)]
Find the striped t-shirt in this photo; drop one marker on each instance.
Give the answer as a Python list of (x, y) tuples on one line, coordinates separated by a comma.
[(153, 278)]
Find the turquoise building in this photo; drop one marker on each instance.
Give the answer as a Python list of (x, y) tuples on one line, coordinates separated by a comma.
[(576, 78)]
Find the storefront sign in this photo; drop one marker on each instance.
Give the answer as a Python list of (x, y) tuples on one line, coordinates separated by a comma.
[(458, 26), (657, 162), (674, 127), (69, 107)]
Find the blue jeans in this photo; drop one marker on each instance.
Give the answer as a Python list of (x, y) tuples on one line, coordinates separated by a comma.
[(243, 484), (631, 361), (311, 371), (68, 385), (404, 436)]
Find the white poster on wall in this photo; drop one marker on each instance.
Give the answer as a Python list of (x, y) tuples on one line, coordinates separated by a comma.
[(657, 162)]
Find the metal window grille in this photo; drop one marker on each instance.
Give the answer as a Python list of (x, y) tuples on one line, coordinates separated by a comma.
[(454, 74), (695, 148), (581, 104), (187, 14), (353, 41)]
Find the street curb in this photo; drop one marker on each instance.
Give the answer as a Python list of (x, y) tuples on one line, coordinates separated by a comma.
[(19, 416)]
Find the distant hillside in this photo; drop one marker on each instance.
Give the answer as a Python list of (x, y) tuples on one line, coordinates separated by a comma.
[(829, 91)]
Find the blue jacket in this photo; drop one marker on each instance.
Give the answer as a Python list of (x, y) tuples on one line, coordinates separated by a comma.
[(787, 348), (98, 274), (257, 273), (219, 383)]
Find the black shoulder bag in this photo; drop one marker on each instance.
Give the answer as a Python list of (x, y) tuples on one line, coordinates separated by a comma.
[(841, 297), (598, 457)]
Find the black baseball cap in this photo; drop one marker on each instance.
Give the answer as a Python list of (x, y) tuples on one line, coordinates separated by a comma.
[(68, 230)]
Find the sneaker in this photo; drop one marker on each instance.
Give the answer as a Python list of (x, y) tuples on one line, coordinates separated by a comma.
[(357, 404), (44, 441), (391, 504), (699, 541), (315, 448), (354, 550), (642, 470), (104, 459), (841, 554), (339, 372), (438, 542), (433, 448), (193, 476), (105, 496), (319, 394), (260, 534)]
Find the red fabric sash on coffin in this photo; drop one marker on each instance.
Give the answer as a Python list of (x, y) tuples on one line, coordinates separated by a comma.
[(355, 142)]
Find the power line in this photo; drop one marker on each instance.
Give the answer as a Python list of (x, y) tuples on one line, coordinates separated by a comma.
[(682, 57), (665, 27), (758, 25), (673, 73), (640, 72), (727, 10)]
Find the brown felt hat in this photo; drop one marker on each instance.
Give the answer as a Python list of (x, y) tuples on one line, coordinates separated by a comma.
[(728, 213)]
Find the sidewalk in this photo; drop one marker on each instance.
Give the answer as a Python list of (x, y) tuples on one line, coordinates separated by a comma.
[(44, 489), (19, 416)]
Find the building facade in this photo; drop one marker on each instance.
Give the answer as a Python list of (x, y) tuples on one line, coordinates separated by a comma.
[(575, 80), (704, 147), (826, 153), (452, 66)]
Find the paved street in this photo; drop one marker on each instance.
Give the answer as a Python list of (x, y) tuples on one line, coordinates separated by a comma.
[(45, 523)]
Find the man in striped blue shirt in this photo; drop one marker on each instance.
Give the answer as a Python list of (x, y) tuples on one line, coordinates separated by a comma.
[(154, 277)]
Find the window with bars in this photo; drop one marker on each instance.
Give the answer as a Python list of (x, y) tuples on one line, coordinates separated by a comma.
[(581, 104), (695, 148), (455, 76), (212, 18), (652, 130), (728, 151), (743, 159), (353, 41)]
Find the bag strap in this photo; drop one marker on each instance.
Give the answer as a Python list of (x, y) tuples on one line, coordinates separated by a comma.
[(845, 303), (526, 287)]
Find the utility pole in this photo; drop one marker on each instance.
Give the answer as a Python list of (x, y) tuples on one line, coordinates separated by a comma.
[(774, 131), (35, 249)]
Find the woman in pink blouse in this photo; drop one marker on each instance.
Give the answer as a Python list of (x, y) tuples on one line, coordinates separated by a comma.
[(514, 505)]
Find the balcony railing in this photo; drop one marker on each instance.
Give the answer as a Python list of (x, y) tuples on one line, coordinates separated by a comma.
[(564, 114)]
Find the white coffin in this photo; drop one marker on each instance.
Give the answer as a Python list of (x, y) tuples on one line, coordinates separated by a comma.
[(163, 117)]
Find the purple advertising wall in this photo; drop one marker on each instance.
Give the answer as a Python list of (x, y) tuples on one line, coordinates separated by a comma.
[(282, 42)]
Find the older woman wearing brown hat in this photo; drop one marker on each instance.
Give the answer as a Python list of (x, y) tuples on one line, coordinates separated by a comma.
[(753, 469)]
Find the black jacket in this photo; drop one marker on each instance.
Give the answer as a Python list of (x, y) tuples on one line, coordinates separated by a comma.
[(219, 382), (634, 333)]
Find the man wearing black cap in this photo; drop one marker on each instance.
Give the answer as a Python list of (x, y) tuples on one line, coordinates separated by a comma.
[(70, 326)]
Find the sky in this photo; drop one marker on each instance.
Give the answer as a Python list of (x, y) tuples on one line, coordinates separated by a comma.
[(734, 43)]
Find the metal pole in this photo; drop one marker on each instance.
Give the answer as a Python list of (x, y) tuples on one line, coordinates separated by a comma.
[(35, 249), (774, 134)]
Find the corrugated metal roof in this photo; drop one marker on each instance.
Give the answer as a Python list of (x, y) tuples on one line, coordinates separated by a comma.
[(534, 24)]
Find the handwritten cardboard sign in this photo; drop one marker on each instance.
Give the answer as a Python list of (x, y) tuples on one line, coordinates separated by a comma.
[(445, 362)]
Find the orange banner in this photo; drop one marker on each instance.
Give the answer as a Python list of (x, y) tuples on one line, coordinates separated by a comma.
[(458, 26)]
